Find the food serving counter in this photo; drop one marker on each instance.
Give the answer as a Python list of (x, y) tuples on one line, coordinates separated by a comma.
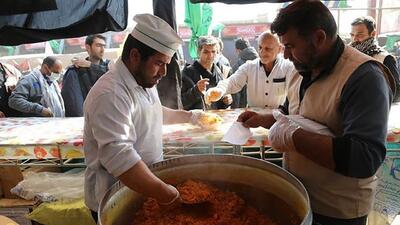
[(58, 141)]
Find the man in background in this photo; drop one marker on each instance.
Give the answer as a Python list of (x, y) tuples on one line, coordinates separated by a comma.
[(38, 93), (9, 77), (363, 33), (202, 73), (221, 60), (83, 74), (266, 77), (245, 53)]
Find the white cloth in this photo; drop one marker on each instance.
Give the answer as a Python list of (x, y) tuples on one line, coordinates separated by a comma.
[(156, 33), (123, 124), (253, 74), (12, 74)]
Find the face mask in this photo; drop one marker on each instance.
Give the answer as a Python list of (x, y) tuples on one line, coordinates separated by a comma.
[(54, 76)]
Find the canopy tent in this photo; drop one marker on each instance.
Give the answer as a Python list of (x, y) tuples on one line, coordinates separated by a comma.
[(23, 21), (30, 21), (241, 1), (10, 7)]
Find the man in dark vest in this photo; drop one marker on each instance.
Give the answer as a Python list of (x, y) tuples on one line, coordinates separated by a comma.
[(83, 74), (333, 126)]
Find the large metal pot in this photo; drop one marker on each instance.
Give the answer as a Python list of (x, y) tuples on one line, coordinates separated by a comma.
[(252, 179)]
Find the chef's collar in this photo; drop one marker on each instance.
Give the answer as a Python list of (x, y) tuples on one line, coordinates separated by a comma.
[(126, 74), (268, 72)]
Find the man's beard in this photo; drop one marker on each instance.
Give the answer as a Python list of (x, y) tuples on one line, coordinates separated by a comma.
[(96, 57), (311, 61), (145, 80)]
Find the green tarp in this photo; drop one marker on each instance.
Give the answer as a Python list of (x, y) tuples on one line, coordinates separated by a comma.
[(198, 17)]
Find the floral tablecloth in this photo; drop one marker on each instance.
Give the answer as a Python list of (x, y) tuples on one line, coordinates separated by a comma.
[(38, 138)]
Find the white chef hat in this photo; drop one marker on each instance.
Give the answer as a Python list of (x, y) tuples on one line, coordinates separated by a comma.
[(156, 33)]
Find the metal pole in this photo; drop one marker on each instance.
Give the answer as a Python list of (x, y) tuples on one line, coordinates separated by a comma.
[(379, 19)]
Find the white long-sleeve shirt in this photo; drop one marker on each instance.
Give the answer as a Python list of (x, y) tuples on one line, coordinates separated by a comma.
[(262, 90), (123, 124)]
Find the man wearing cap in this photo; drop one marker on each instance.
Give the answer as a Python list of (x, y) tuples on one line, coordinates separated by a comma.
[(124, 116)]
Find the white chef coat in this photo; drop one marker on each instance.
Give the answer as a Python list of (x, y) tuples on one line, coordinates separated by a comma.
[(123, 125), (262, 90)]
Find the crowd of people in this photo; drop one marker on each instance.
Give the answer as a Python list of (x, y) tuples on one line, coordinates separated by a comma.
[(301, 67), (48, 91), (258, 78)]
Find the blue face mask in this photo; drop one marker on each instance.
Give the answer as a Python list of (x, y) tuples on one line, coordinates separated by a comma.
[(54, 76)]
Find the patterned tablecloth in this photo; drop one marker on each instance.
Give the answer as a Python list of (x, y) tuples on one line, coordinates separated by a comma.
[(39, 138)]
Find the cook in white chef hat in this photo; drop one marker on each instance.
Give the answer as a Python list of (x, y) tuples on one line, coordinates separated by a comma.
[(156, 33)]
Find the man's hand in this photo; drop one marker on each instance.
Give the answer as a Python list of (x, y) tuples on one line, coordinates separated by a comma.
[(47, 112), (78, 63), (214, 94), (175, 199), (175, 202), (253, 119), (2, 115), (202, 85), (227, 99), (281, 133)]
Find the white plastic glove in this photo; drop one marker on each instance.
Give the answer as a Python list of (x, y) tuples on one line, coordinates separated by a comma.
[(280, 134), (213, 94), (196, 115)]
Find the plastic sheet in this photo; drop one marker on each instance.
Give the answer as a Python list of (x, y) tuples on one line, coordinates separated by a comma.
[(48, 186)]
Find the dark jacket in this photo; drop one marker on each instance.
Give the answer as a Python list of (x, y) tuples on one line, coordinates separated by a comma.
[(249, 53), (240, 98), (391, 64), (4, 95), (170, 85), (192, 98), (77, 83)]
